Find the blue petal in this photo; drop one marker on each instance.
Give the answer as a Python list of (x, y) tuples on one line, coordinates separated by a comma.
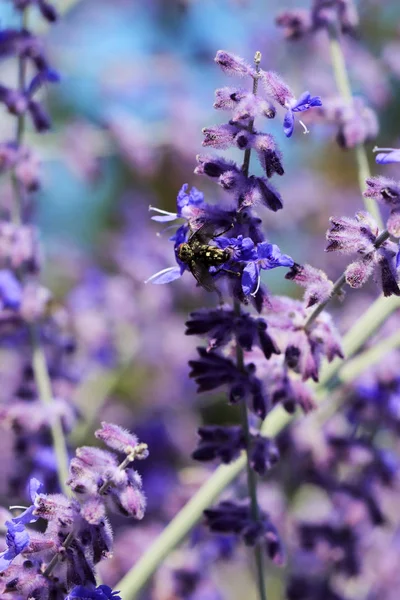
[(10, 289), (46, 76), (224, 242), (250, 278), (305, 102), (165, 276), (398, 259), (103, 592), (248, 251), (26, 517), (35, 487), (265, 250), (288, 123), (384, 158), (301, 101), (17, 539), (185, 198), (196, 196), (283, 260), (165, 218), (5, 560), (108, 593), (182, 197), (180, 235)]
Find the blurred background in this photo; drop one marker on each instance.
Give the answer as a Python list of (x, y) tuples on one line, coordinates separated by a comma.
[(137, 86)]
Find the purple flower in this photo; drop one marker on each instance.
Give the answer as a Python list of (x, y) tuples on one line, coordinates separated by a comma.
[(222, 325), (360, 235), (27, 516), (102, 592), (243, 248), (45, 76), (10, 290), (213, 370), (305, 102), (171, 273), (318, 286), (17, 539), (220, 442), (231, 64), (268, 257), (47, 10), (187, 204), (263, 454), (387, 155), (231, 517)]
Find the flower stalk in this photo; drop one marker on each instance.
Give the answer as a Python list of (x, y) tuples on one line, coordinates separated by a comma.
[(39, 363), (344, 87), (251, 475), (135, 579)]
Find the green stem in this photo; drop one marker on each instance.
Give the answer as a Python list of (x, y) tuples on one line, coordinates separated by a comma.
[(131, 584), (251, 476), (43, 384), (39, 365), (349, 372), (344, 87)]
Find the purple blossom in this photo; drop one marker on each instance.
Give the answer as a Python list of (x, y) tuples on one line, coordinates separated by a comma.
[(232, 65), (187, 204), (213, 370), (10, 290), (222, 325), (45, 76), (102, 592), (268, 257), (171, 273), (47, 10), (224, 443), (387, 155), (318, 286), (387, 192), (359, 236), (263, 454), (295, 23), (231, 517), (303, 103), (17, 537)]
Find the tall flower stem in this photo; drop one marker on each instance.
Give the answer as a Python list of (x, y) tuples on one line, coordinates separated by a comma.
[(344, 87), (131, 584), (251, 476), (39, 363)]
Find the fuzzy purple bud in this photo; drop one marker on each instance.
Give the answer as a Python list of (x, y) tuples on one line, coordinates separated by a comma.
[(121, 440), (276, 88), (318, 286), (231, 64)]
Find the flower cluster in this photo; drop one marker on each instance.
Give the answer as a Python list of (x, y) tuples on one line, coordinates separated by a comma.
[(299, 23), (33, 329), (244, 254), (258, 357), (78, 535), (361, 236), (355, 122), (359, 477)]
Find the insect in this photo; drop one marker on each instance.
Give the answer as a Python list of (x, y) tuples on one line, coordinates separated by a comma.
[(199, 255)]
